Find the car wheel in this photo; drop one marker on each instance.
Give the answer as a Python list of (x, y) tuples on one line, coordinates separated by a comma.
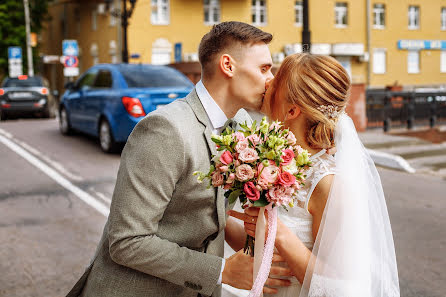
[(108, 144), (64, 124)]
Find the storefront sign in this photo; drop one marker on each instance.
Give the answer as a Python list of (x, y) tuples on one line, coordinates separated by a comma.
[(421, 44)]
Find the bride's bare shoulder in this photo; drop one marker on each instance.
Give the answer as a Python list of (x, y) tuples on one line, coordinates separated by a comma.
[(319, 197)]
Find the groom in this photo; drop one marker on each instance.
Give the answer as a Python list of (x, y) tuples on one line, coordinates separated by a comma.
[(165, 232)]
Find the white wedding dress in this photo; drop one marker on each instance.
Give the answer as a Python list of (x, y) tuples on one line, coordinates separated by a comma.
[(298, 219)]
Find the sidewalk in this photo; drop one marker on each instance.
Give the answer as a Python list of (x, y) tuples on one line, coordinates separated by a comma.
[(407, 153)]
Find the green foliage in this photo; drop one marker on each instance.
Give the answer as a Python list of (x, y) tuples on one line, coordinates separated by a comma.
[(12, 28)]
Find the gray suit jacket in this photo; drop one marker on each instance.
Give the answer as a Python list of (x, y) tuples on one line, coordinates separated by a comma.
[(165, 232)]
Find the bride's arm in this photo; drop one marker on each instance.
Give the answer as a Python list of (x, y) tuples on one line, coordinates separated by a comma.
[(235, 235), (289, 246)]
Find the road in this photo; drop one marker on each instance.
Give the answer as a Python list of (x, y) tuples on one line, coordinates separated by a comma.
[(49, 234)]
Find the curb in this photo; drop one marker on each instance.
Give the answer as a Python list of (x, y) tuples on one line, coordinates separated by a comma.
[(390, 161)]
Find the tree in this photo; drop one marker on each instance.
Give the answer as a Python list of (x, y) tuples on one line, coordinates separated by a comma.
[(12, 28)]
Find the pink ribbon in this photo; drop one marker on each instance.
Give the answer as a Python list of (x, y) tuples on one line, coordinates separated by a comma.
[(268, 250)]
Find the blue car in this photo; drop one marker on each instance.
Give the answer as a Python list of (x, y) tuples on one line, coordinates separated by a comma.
[(108, 100)]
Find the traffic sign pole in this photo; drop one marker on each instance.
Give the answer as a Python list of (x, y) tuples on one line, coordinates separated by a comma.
[(28, 40)]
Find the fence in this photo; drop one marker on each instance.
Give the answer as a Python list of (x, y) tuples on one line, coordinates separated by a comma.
[(405, 108)]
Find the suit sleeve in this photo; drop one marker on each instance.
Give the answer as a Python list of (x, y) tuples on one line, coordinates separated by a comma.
[(151, 164)]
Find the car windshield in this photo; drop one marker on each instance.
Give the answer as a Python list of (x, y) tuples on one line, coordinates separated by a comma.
[(144, 76), (28, 82)]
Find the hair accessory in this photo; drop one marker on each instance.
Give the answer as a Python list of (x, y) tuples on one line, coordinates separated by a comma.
[(331, 111)]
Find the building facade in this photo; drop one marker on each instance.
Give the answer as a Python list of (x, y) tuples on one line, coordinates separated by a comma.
[(380, 42)]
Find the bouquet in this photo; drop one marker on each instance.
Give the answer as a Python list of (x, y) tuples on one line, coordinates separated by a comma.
[(262, 166)]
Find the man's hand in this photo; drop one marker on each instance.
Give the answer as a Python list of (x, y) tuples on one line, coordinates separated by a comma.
[(238, 273)]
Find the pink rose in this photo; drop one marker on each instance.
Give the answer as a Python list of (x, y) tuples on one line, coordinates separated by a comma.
[(244, 172), (254, 138), (226, 158), (286, 179), (237, 163), (248, 155), (280, 195), (291, 138), (268, 174), (262, 183), (252, 193), (217, 179), (287, 156), (223, 168), (239, 136), (227, 186), (241, 146)]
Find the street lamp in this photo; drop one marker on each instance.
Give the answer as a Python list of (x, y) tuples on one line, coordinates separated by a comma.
[(306, 34), (125, 15)]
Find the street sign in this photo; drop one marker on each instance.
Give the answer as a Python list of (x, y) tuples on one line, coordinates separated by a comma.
[(71, 71), (14, 52), (70, 47), (71, 61), (15, 61)]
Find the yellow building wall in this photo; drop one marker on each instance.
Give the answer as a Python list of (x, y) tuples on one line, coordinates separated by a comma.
[(396, 29)]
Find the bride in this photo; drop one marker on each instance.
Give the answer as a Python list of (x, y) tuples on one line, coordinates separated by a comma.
[(337, 240)]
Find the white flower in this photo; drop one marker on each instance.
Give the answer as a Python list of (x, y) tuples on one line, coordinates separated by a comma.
[(291, 168)]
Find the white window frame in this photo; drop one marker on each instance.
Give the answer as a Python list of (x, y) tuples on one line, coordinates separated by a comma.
[(413, 17), (257, 10), (413, 62), (156, 16), (212, 7), (298, 13), (341, 10), (443, 18), (379, 64), (379, 9), (443, 62), (94, 20)]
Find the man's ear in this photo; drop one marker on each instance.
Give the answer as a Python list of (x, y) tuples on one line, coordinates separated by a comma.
[(293, 111), (227, 65)]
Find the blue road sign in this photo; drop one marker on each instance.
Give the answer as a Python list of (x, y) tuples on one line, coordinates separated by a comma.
[(178, 55), (70, 48), (14, 52)]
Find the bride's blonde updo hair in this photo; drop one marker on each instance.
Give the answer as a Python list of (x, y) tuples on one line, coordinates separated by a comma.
[(311, 81)]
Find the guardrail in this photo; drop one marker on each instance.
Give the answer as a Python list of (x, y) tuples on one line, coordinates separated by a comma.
[(404, 108)]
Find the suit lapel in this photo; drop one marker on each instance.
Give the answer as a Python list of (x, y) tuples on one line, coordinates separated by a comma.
[(195, 103)]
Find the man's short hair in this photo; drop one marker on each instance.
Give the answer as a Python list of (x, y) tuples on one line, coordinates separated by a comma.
[(224, 35)]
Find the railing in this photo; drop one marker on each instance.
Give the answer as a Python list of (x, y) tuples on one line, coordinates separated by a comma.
[(405, 108)]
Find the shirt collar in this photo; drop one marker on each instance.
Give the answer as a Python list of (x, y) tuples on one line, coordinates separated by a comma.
[(215, 114)]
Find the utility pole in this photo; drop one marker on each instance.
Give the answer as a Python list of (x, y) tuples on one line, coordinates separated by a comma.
[(28, 40), (306, 34)]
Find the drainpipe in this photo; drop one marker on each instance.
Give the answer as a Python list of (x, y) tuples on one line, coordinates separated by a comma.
[(368, 39), (306, 34)]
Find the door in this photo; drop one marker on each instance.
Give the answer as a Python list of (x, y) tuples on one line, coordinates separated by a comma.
[(77, 98)]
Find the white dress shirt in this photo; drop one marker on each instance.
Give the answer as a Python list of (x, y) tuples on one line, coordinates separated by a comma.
[(215, 114), (217, 118)]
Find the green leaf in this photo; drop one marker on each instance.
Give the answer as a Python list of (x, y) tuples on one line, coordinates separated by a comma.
[(234, 195), (261, 202)]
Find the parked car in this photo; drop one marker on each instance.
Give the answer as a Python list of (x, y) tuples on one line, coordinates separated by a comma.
[(108, 100), (26, 95)]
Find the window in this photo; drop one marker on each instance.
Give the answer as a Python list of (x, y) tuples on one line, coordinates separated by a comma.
[(341, 15), (147, 76), (443, 62), (443, 18), (413, 62), (379, 15), (258, 12), (299, 11), (414, 17), (94, 24), (103, 80), (211, 12), (87, 80), (160, 12), (113, 18), (379, 61)]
